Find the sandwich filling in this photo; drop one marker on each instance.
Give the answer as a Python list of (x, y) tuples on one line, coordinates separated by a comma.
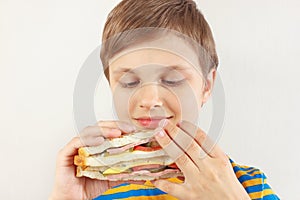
[(132, 157)]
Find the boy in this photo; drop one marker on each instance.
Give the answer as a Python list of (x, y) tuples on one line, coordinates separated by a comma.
[(160, 60)]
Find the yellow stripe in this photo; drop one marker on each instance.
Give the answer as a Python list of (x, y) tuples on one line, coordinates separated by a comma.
[(254, 173), (158, 197), (126, 188), (255, 195), (248, 170), (147, 185), (175, 180), (265, 181), (241, 166), (252, 182), (261, 194), (267, 192), (241, 173)]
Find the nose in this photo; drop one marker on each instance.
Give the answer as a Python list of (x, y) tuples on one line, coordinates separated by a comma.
[(149, 97)]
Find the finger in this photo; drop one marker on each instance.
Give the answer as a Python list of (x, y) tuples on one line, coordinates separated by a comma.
[(176, 134), (94, 135), (92, 141), (174, 189), (209, 146), (187, 143), (184, 163), (121, 125), (97, 131), (67, 153), (197, 154)]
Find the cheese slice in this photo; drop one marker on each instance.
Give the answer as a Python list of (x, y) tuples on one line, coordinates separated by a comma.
[(125, 166)]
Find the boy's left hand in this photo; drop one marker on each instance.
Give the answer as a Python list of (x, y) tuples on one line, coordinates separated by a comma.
[(206, 168)]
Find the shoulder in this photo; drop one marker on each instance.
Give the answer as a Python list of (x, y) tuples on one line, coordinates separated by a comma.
[(254, 181)]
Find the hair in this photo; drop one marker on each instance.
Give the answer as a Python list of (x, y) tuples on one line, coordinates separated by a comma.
[(181, 16)]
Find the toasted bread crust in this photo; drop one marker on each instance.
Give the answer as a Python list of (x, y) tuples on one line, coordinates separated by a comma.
[(100, 176), (80, 161)]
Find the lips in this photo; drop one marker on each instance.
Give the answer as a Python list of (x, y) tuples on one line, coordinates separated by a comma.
[(150, 122)]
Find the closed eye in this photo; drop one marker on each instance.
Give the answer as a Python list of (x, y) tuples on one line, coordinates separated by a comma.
[(130, 84), (172, 82)]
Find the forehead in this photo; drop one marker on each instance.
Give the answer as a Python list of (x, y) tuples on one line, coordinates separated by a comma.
[(145, 57), (167, 50)]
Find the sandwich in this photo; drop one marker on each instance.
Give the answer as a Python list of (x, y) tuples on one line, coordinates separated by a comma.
[(135, 156)]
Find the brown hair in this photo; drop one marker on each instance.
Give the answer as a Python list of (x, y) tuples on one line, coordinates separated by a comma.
[(182, 16)]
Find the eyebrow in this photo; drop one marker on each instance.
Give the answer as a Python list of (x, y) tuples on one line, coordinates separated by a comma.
[(128, 70), (121, 70)]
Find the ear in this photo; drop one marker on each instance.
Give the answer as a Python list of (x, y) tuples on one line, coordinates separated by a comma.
[(209, 84)]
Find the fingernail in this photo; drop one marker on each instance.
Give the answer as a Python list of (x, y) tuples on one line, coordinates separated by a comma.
[(163, 123), (100, 140), (179, 123), (161, 133), (115, 131)]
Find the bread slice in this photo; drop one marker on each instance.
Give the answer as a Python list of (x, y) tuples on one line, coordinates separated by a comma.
[(116, 142), (127, 177)]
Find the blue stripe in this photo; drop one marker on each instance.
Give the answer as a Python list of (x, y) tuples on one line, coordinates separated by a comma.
[(122, 184), (254, 188), (271, 197), (247, 177), (257, 188), (253, 170), (131, 193), (237, 168)]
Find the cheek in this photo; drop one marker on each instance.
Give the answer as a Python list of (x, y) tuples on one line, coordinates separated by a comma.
[(121, 99), (188, 104), (174, 104)]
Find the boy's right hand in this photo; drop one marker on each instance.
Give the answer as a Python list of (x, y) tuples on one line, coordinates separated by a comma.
[(67, 185)]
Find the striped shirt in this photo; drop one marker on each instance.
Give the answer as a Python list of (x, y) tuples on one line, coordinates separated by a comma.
[(253, 180)]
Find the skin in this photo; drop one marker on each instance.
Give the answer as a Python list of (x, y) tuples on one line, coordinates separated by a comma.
[(206, 168), (69, 187), (155, 98)]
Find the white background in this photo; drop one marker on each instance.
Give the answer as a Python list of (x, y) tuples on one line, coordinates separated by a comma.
[(44, 44)]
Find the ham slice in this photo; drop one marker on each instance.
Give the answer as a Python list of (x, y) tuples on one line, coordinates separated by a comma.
[(112, 151), (142, 172), (147, 167)]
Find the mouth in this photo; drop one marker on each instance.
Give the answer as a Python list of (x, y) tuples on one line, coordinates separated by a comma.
[(150, 122)]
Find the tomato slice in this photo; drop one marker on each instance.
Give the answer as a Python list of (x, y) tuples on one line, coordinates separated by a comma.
[(173, 165), (142, 148)]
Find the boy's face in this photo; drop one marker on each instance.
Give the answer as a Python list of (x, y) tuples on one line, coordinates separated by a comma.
[(150, 84)]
